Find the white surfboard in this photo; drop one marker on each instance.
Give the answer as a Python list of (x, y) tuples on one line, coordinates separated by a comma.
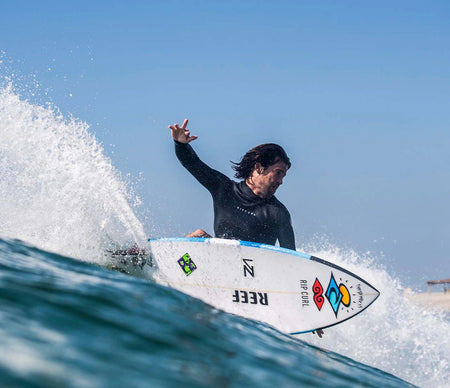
[(290, 290)]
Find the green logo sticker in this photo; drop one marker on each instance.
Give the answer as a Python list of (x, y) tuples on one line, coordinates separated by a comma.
[(187, 264)]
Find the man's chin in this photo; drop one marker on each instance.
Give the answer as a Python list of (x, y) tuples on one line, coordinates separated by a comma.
[(270, 194)]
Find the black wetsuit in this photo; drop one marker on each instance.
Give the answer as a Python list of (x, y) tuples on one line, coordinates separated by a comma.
[(239, 213)]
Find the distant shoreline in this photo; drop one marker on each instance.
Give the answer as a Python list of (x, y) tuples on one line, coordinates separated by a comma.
[(431, 300)]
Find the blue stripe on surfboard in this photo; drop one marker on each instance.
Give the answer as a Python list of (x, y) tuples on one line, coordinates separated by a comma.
[(275, 248), (303, 332), (243, 243), (193, 239)]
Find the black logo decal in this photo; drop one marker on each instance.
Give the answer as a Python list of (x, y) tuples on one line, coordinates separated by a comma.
[(251, 297), (248, 267), (134, 256)]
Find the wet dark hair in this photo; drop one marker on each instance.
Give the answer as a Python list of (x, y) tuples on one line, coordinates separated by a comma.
[(266, 154)]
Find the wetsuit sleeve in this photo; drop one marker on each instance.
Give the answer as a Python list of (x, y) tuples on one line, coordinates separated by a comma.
[(286, 236), (211, 179)]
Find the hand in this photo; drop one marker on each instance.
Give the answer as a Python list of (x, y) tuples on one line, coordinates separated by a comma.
[(182, 134), (198, 233)]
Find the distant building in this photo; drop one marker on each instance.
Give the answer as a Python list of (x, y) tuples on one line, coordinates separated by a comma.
[(445, 282)]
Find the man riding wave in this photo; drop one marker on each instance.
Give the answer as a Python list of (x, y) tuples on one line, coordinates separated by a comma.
[(246, 210)]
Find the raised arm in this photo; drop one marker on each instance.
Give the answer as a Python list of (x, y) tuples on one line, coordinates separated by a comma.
[(208, 177)]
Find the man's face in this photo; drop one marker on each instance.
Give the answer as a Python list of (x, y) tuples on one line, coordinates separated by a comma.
[(268, 180)]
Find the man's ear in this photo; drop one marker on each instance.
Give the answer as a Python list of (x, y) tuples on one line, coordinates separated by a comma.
[(259, 168)]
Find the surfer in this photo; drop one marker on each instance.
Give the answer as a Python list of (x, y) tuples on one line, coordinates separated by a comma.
[(245, 210)]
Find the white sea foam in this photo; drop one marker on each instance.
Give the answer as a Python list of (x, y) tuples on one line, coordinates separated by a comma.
[(393, 334), (58, 189)]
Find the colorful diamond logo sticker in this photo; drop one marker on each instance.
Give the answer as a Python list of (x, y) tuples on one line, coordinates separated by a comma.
[(187, 264), (318, 297), (334, 295)]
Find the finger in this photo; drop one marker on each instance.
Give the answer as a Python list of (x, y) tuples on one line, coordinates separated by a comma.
[(185, 123), (192, 138), (174, 127)]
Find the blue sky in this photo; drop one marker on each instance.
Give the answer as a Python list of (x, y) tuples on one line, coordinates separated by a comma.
[(356, 92)]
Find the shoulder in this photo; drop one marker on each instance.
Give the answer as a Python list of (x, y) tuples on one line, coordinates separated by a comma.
[(225, 180), (279, 206)]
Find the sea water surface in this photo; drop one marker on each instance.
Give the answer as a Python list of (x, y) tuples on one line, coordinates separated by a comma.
[(65, 320)]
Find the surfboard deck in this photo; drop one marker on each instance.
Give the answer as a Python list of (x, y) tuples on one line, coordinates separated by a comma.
[(292, 291)]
